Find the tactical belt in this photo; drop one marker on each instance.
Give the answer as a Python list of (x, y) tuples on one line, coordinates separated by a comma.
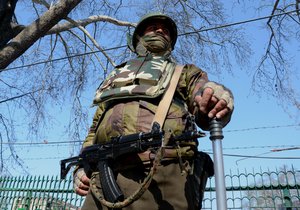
[(168, 153), (145, 159)]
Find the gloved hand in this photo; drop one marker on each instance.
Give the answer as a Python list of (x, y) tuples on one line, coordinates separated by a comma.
[(214, 100), (81, 182)]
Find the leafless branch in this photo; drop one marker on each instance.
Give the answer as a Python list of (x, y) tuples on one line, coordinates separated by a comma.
[(33, 32)]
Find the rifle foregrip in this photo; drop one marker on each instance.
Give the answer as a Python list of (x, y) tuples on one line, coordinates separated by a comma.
[(110, 188)]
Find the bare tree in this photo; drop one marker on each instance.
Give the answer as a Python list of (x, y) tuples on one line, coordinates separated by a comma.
[(59, 56), (274, 74)]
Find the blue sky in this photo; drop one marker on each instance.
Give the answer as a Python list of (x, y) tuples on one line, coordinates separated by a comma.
[(249, 132)]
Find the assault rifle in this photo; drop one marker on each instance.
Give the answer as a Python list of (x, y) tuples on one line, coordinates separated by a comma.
[(101, 155)]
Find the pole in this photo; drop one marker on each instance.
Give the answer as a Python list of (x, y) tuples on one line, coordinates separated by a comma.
[(216, 136)]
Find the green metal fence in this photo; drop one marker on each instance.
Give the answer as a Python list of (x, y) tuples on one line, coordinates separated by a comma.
[(18, 193), (245, 190), (259, 190)]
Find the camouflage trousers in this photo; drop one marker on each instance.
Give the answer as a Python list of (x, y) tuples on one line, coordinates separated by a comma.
[(169, 189)]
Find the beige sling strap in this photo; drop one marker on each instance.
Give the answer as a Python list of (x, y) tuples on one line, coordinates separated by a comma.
[(165, 103)]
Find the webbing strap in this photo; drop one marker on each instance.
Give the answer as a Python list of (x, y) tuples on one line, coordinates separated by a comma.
[(164, 104)]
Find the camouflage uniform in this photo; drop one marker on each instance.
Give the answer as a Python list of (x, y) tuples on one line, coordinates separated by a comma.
[(133, 115)]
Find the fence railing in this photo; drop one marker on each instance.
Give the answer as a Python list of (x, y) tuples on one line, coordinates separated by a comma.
[(247, 190)]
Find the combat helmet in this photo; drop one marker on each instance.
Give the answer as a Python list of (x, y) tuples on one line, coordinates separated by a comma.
[(145, 20)]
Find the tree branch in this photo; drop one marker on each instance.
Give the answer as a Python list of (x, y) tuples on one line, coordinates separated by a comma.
[(84, 22), (36, 30)]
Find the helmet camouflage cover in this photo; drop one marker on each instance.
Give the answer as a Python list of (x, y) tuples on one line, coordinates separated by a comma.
[(145, 20)]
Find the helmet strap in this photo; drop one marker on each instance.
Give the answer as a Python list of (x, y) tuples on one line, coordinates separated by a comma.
[(140, 49), (129, 42)]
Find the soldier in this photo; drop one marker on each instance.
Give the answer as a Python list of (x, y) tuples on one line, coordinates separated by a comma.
[(127, 102)]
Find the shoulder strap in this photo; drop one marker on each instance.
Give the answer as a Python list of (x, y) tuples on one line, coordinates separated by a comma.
[(164, 104)]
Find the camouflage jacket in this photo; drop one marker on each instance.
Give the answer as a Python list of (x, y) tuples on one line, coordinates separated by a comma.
[(131, 115)]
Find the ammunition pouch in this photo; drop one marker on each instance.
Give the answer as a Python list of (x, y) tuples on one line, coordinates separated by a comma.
[(203, 168)]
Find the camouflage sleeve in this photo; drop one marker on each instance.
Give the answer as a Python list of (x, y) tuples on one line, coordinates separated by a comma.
[(89, 140), (192, 79)]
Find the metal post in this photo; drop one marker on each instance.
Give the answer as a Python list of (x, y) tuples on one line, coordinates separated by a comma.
[(216, 136)]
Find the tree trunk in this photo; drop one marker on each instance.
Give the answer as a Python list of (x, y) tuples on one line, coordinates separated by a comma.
[(18, 45)]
